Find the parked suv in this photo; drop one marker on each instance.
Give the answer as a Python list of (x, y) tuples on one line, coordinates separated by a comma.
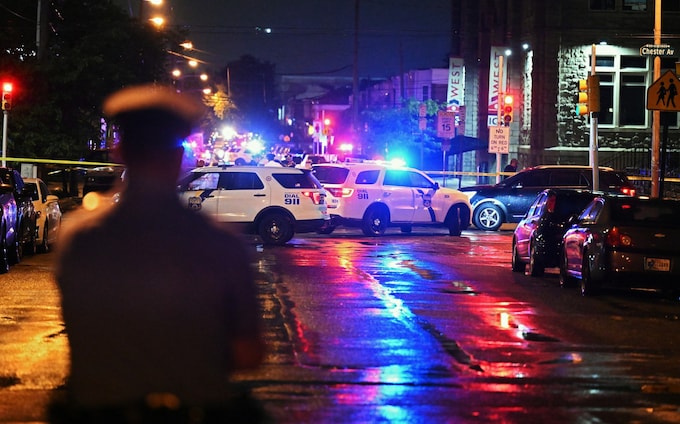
[(374, 196), (509, 200), (273, 202)]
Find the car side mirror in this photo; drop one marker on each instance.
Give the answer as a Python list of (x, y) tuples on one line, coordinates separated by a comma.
[(436, 185)]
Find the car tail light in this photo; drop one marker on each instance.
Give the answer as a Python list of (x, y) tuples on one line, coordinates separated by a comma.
[(615, 238), (550, 204), (628, 191), (317, 197), (340, 192)]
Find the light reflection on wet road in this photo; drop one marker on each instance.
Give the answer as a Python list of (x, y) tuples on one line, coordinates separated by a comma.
[(417, 328), (430, 328)]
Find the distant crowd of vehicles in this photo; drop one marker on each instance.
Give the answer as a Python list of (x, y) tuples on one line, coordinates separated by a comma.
[(609, 237)]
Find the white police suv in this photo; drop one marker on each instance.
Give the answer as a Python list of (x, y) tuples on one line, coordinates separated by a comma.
[(273, 202), (375, 196)]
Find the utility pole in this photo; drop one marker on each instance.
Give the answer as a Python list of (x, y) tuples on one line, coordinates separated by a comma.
[(41, 30), (355, 79), (656, 115)]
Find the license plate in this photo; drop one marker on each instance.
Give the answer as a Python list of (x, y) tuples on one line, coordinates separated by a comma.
[(657, 264)]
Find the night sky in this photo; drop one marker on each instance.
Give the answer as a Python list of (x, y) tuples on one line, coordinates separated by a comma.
[(316, 37)]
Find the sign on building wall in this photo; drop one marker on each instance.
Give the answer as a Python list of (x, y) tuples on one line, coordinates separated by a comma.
[(456, 89), (495, 87)]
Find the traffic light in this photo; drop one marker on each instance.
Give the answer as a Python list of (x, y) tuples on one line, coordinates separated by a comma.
[(6, 96), (506, 110), (594, 93), (588, 95)]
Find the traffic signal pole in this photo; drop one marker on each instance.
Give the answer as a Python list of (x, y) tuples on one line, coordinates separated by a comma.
[(501, 93), (593, 131), (5, 115)]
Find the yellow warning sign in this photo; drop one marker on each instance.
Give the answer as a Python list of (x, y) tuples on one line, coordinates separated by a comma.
[(663, 93)]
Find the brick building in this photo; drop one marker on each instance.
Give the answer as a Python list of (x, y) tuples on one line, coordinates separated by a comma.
[(551, 44)]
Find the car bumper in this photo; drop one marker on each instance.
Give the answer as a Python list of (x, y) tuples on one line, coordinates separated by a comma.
[(641, 270), (311, 225)]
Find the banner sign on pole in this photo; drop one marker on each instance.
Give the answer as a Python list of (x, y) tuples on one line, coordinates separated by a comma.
[(456, 88)]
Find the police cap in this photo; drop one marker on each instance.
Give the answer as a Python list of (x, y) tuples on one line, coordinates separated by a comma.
[(153, 116)]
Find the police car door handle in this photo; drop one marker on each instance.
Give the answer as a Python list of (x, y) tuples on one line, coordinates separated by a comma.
[(259, 195)]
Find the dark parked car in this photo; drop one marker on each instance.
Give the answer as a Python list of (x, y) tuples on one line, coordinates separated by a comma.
[(509, 200), (9, 246), (102, 179), (537, 240), (25, 214), (623, 241)]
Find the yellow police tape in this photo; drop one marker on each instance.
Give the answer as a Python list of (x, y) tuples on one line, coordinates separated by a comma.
[(58, 162), (441, 173)]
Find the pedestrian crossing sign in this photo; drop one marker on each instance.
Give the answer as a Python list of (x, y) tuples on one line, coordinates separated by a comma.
[(663, 93)]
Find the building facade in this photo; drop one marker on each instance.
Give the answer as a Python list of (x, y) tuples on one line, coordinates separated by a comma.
[(549, 47)]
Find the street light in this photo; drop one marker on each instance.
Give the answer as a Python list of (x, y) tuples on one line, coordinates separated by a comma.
[(158, 21)]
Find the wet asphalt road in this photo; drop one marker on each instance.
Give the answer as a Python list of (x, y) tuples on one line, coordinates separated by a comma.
[(405, 328)]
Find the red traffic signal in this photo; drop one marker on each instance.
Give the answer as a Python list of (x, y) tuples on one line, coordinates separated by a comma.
[(506, 109), (7, 95)]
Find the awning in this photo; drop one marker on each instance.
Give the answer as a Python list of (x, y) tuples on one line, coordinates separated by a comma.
[(461, 143)]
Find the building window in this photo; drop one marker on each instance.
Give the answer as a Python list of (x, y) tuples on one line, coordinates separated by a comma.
[(632, 107), (623, 90), (670, 6), (635, 5), (426, 93), (602, 4), (606, 116)]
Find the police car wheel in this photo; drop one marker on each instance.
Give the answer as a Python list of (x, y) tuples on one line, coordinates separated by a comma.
[(455, 219), (275, 228), (375, 221)]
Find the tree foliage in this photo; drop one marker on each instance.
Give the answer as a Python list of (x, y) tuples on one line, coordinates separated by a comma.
[(92, 49), (221, 104), (253, 90), (392, 132)]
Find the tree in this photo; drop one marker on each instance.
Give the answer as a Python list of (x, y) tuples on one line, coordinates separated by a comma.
[(93, 49), (253, 91), (221, 104), (394, 132)]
